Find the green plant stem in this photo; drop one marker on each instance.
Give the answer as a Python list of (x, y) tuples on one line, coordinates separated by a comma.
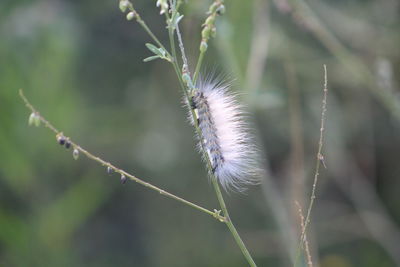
[(229, 223), (214, 180), (198, 66), (217, 189), (47, 124)]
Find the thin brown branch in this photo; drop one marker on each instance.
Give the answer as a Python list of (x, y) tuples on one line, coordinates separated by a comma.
[(302, 225), (76, 146)]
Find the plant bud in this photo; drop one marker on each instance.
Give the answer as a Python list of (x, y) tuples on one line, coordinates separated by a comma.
[(221, 10), (210, 20), (60, 139), (67, 144), (36, 120), (123, 179), (205, 33), (130, 15), (31, 120), (109, 170), (213, 32), (75, 154), (123, 5)]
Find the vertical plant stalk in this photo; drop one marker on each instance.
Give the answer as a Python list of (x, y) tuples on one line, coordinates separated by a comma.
[(214, 180), (320, 159), (214, 9), (306, 246)]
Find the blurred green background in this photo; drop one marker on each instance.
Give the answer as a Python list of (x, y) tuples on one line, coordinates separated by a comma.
[(80, 63)]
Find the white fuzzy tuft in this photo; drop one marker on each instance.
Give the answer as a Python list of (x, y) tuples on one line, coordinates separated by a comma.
[(224, 135)]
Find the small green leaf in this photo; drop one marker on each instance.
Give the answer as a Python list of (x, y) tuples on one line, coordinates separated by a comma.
[(147, 59), (152, 48)]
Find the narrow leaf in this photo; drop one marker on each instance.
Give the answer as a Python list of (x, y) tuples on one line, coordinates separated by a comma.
[(147, 59)]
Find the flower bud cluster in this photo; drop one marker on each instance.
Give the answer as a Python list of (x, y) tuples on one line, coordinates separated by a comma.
[(209, 29)]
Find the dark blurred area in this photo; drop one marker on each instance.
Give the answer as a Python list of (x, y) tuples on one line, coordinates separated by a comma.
[(81, 64)]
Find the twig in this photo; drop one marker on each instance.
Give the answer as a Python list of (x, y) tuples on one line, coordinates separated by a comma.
[(306, 247), (320, 159), (47, 124)]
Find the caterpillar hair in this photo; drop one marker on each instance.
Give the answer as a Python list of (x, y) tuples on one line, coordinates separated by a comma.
[(224, 134)]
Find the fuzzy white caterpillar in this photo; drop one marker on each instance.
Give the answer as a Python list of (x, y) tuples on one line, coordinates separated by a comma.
[(224, 134)]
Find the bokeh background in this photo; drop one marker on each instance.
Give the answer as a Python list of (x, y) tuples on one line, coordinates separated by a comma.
[(80, 63)]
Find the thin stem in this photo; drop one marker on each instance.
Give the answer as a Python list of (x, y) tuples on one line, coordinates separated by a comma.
[(47, 124), (230, 225), (175, 64), (217, 189), (146, 28), (307, 249), (198, 66), (320, 159)]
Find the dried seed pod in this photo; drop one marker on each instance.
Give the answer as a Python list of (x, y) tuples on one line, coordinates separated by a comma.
[(123, 179), (75, 154), (61, 139), (67, 144)]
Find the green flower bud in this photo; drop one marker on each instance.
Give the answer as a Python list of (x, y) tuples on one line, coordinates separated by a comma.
[(205, 33), (210, 20), (31, 120), (221, 10), (123, 5), (36, 120), (213, 8), (130, 15), (213, 32)]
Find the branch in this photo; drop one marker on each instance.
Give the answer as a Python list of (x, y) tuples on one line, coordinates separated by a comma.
[(124, 174), (320, 159)]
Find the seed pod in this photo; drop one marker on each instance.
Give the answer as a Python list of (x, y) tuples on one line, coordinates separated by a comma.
[(60, 139), (123, 179), (67, 144), (75, 154), (109, 170)]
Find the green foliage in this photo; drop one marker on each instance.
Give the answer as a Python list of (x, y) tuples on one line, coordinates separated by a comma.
[(81, 64)]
